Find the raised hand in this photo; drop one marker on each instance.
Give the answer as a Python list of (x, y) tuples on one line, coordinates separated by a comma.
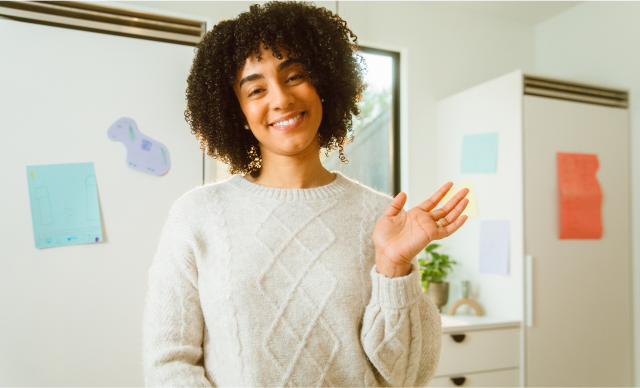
[(399, 237)]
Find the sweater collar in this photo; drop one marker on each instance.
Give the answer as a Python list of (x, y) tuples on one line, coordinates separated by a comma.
[(339, 185)]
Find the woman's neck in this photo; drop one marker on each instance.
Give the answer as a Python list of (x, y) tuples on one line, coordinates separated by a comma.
[(292, 172)]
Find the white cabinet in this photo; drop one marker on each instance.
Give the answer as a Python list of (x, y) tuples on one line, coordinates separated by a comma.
[(570, 289), (478, 352), (501, 378)]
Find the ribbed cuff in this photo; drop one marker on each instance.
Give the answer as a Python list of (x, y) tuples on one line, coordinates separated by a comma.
[(395, 293)]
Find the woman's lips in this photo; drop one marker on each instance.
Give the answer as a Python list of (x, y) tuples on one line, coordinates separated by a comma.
[(291, 126)]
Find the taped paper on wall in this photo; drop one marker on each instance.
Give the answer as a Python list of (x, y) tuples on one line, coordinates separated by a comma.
[(143, 153), (494, 246), (479, 153), (472, 207), (580, 196), (64, 204)]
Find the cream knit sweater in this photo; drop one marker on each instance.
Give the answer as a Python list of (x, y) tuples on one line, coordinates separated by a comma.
[(258, 286)]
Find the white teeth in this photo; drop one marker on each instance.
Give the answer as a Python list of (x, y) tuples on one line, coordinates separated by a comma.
[(287, 122)]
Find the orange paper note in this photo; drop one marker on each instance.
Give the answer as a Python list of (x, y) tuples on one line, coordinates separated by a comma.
[(580, 196)]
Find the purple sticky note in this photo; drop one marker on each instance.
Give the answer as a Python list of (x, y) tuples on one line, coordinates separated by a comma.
[(494, 247), (143, 153)]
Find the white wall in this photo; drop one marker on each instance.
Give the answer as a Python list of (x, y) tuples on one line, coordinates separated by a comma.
[(72, 315), (494, 106), (447, 50), (597, 42)]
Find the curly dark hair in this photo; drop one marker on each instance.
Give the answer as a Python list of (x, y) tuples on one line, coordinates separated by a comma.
[(312, 36)]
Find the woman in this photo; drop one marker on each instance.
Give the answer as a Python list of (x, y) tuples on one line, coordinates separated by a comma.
[(288, 274)]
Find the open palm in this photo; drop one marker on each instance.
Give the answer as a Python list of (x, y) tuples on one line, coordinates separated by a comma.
[(399, 237)]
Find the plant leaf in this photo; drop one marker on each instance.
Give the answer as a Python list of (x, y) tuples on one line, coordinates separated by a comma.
[(431, 247)]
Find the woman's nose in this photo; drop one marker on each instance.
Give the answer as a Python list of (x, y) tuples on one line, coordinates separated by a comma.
[(281, 97)]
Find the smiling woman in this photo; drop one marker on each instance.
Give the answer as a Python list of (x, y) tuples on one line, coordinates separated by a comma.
[(309, 42), (282, 109), (288, 274)]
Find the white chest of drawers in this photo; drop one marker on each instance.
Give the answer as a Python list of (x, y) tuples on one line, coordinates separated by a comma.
[(479, 352)]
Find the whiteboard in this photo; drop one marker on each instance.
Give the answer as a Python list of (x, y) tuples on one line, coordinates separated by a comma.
[(72, 316)]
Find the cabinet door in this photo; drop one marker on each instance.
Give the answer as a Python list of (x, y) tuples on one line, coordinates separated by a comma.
[(581, 289), (479, 351), (500, 378)]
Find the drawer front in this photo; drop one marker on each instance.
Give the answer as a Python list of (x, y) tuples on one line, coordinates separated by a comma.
[(479, 351), (503, 378)]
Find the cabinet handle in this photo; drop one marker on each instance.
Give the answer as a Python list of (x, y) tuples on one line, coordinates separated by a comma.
[(458, 337), (458, 381)]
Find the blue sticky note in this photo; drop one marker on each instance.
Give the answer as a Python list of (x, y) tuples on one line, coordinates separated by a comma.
[(494, 246), (479, 153), (64, 204)]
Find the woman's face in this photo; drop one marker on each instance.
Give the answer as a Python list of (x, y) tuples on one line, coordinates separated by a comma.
[(282, 108)]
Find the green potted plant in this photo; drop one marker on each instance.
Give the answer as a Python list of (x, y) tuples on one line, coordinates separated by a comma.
[(434, 269)]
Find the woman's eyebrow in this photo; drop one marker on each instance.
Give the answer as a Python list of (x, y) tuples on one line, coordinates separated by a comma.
[(248, 78), (284, 65), (254, 77)]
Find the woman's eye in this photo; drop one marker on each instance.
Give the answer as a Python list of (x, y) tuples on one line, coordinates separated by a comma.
[(254, 91), (295, 77)]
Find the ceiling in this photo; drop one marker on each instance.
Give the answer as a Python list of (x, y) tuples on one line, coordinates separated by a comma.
[(529, 12)]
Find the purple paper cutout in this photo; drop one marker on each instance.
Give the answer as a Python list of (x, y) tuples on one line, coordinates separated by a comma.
[(146, 145), (143, 153), (494, 246)]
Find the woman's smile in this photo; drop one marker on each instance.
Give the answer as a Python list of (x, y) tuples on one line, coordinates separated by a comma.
[(288, 124)]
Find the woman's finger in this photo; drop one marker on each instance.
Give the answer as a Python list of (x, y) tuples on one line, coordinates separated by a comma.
[(428, 204), (450, 229), (450, 205), (453, 202), (455, 213), (438, 214), (396, 205), (442, 222)]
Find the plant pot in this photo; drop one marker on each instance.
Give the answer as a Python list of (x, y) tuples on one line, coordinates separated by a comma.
[(438, 293)]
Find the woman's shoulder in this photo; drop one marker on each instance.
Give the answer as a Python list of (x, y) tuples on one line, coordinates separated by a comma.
[(367, 191), (195, 199), (374, 198)]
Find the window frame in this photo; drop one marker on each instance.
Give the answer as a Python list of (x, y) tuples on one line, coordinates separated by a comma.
[(394, 135)]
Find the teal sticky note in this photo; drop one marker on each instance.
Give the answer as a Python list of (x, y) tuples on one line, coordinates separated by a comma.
[(64, 204), (479, 154)]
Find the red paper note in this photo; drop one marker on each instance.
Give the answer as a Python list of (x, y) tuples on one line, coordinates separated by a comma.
[(580, 196)]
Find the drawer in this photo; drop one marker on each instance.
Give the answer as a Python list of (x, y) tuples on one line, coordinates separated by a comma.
[(502, 378), (479, 351)]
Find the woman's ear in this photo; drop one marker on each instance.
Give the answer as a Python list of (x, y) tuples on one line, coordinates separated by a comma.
[(243, 119), (241, 116)]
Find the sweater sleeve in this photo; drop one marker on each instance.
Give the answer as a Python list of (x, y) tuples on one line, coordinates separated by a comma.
[(401, 331), (173, 322)]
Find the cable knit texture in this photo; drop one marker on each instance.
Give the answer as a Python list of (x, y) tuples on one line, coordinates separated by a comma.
[(258, 286)]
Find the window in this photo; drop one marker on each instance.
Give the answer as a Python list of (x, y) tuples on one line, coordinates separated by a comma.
[(373, 154)]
